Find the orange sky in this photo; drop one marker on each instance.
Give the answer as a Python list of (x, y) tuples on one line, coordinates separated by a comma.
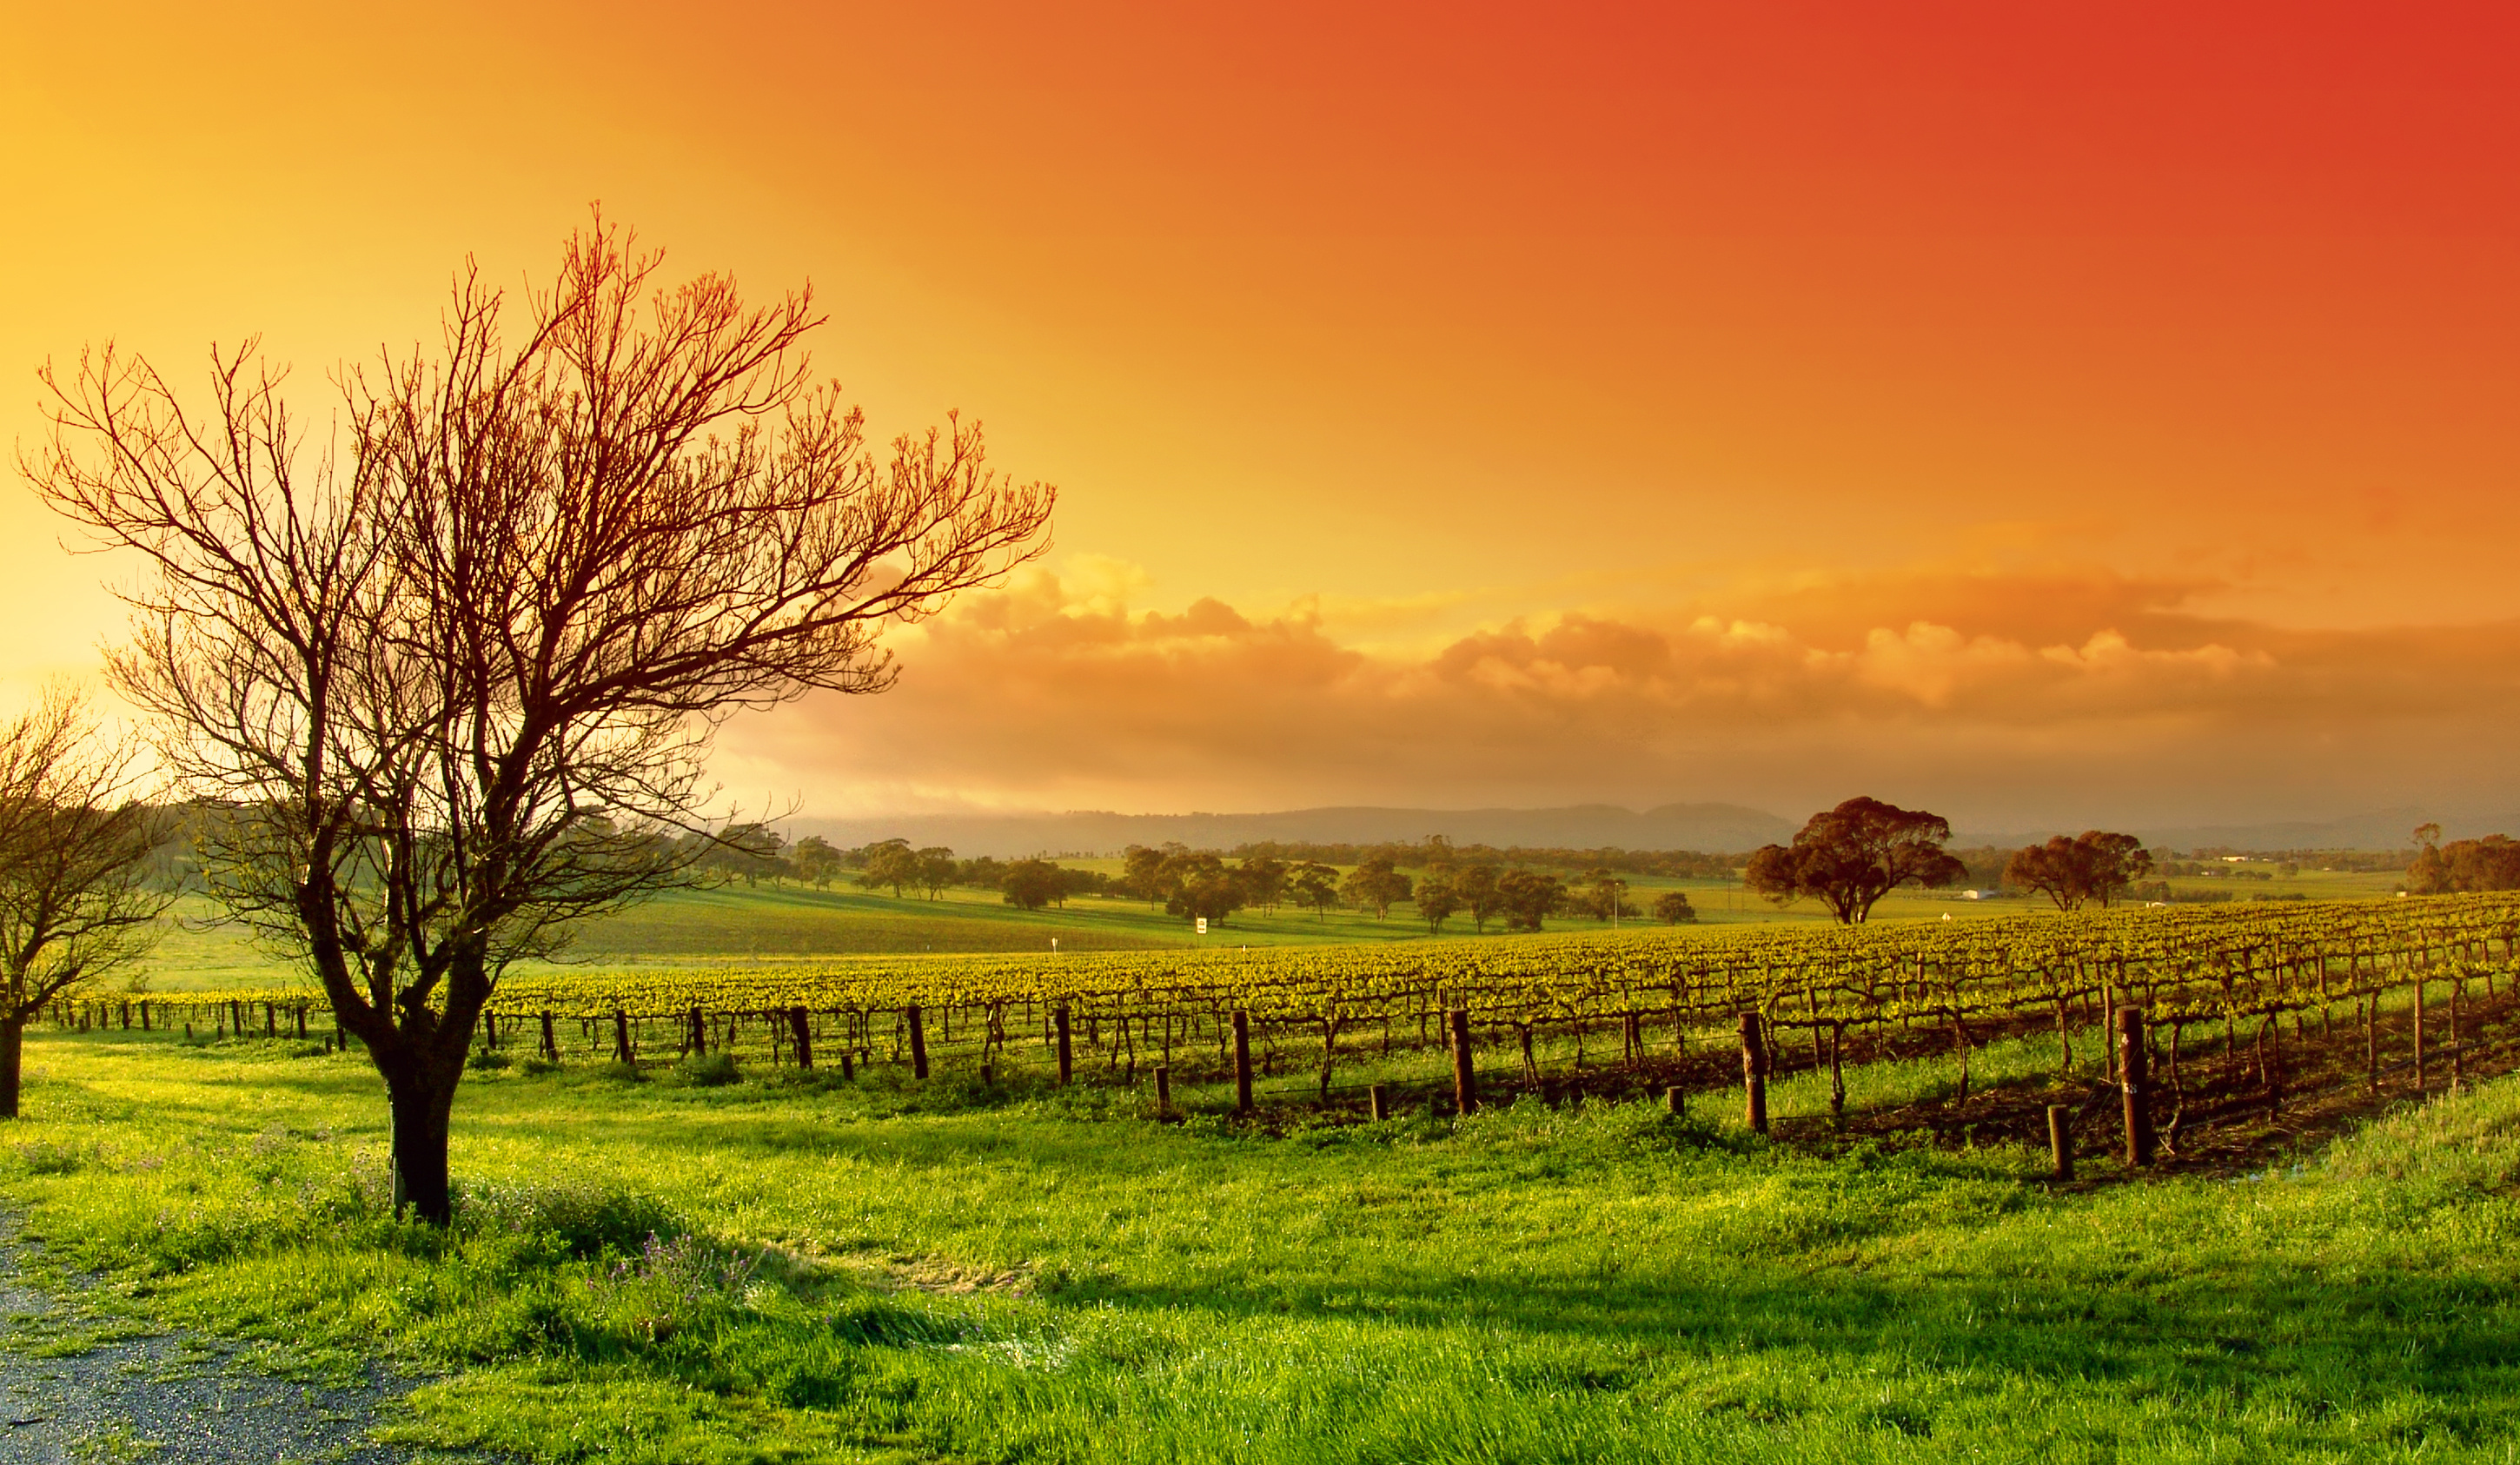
[(2057, 413)]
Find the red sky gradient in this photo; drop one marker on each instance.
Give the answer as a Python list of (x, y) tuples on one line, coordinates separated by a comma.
[(2058, 414)]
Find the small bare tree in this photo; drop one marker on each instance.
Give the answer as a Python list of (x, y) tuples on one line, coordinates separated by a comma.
[(75, 842), (459, 677)]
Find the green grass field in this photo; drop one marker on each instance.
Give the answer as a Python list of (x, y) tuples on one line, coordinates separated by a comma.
[(767, 1270)]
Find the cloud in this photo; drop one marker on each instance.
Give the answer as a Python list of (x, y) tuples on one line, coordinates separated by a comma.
[(2024, 698)]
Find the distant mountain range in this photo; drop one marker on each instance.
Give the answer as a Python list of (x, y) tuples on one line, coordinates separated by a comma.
[(1584, 827), (1727, 828)]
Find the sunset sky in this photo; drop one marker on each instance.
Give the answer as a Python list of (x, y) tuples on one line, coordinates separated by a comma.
[(2052, 415)]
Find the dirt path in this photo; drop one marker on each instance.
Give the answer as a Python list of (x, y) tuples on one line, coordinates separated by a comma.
[(73, 1393)]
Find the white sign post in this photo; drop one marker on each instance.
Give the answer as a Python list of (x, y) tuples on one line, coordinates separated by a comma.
[(1203, 925)]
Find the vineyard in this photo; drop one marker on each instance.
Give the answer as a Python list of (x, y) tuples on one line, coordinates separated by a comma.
[(1905, 988), (964, 1182)]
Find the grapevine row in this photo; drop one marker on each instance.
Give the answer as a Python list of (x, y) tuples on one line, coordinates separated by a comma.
[(2184, 965)]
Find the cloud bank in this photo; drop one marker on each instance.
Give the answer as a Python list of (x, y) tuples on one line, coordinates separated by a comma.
[(2006, 701)]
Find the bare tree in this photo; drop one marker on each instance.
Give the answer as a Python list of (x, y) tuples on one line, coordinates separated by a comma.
[(73, 844), (461, 675)]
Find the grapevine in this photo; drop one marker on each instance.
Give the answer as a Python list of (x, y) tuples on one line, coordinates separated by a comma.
[(2225, 966)]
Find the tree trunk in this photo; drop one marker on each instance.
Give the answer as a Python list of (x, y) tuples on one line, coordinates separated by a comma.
[(13, 1041), (421, 1111)]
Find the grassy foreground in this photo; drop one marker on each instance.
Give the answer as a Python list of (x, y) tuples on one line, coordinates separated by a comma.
[(665, 1271)]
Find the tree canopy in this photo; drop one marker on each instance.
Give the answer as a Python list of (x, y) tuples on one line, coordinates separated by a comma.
[(2466, 865), (1529, 898), (1852, 855), (1375, 883), (2092, 865)]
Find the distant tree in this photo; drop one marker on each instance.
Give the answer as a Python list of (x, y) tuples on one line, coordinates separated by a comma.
[(1080, 883), (1376, 883), (984, 872), (1031, 884), (2053, 870), (889, 864), (75, 843), (1264, 881), (815, 859), (2092, 865), (1313, 885), (2114, 862), (934, 870), (746, 852), (1143, 872), (2466, 865), (1436, 903), (1202, 888), (2429, 875), (1606, 895), (1852, 855), (1530, 898), (1476, 887), (1672, 908)]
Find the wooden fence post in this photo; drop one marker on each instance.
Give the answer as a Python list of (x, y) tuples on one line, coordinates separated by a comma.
[(2419, 1031), (917, 1041), (1163, 1089), (800, 1032), (2370, 1008), (1754, 1073), (621, 1051), (1241, 1056), (2135, 1083), (2108, 1025), (2457, 1060), (1466, 1078), (1676, 1099), (1066, 1052), (2060, 1139), (1380, 1100), (551, 1040)]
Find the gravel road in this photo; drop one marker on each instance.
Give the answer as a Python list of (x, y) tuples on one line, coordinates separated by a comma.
[(73, 1394)]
